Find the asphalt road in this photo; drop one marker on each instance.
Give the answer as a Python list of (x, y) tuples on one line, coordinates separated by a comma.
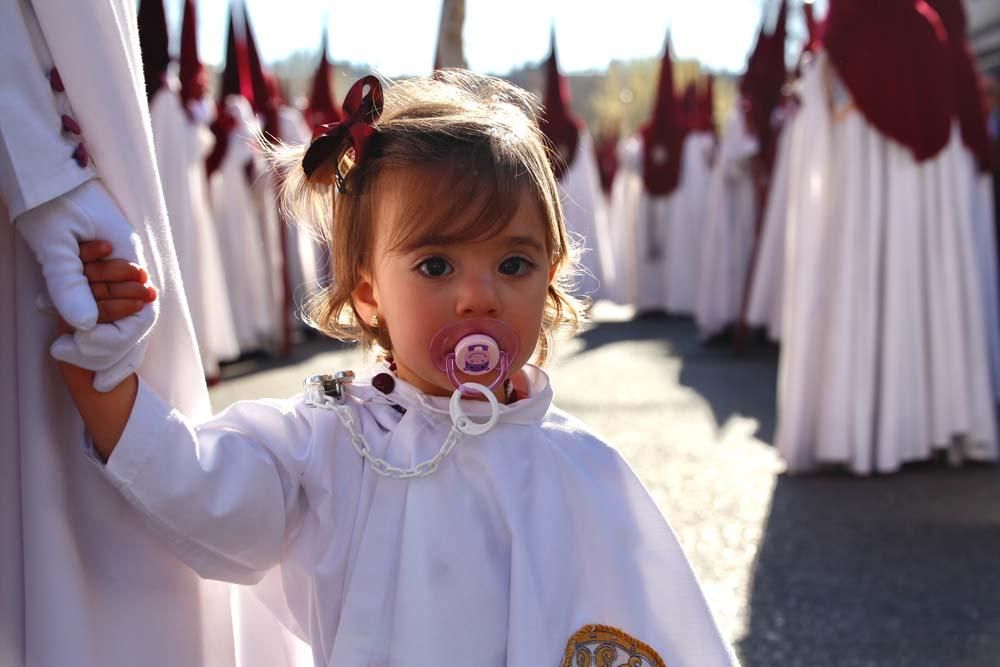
[(829, 569)]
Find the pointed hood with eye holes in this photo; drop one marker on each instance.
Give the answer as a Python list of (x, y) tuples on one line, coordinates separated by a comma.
[(663, 135), (192, 73), (235, 81), (153, 40), (557, 121), (322, 109)]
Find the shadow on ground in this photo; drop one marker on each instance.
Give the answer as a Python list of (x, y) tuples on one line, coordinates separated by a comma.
[(258, 362), (890, 571), (733, 384)]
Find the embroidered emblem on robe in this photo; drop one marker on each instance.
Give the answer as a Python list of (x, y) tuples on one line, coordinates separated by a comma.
[(605, 646)]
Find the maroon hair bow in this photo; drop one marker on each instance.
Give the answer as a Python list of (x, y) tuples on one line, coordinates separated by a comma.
[(362, 107)]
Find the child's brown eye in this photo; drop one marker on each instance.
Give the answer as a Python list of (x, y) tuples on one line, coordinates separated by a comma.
[(515, 266), (435, 267)]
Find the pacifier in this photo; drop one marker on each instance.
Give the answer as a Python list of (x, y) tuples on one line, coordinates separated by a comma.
[(474, 347)]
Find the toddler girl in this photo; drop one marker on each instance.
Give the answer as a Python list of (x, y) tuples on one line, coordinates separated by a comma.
[(439, 509)]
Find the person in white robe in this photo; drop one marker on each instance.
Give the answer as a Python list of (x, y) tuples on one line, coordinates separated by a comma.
[(765, 301), (77, 163), (727, 237), (731, 244), (646, 203), (583, 204), (884, 359), (978, 169), (234, 167), (182, 140), (686, 227), (364, 572)]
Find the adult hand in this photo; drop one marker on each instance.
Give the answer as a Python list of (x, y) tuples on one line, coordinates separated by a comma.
[(54, 232)]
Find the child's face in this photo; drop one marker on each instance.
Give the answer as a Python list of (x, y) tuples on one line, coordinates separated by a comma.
[(417, 292)]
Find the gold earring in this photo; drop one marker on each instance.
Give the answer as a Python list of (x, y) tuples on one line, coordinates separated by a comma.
[(374, 321)]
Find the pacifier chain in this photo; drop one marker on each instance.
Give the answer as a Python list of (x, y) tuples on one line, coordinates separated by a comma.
[(474, 354), (320, 394)]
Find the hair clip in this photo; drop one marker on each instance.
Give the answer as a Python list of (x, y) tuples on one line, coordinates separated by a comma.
[(348, 140)]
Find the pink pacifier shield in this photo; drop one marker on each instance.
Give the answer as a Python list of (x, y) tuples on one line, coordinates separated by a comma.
[(476, 344)]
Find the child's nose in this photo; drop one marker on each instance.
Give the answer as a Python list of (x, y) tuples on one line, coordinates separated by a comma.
[(478, 297)]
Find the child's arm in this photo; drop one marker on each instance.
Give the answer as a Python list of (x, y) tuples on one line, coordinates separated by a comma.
[(120, 290), (224, 495)]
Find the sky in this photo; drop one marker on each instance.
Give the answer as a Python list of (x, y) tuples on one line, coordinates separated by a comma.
[(398, 37)]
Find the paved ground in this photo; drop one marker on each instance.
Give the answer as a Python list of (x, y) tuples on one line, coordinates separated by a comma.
[(902, 570)]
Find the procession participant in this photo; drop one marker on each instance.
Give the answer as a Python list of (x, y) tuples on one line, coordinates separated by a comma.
[(281, 255), (576, 170), (883, 358), (765, 299), (76, 162), (686, 228), (233, 167), (401, 523), (181, 139), (764, 307), (978, 168), (727, 235), (644, 202)]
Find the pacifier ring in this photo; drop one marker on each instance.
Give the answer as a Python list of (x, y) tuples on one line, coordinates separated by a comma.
[(462, 421)]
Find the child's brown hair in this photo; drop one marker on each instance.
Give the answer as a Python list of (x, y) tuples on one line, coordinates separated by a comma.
[(469, 146)]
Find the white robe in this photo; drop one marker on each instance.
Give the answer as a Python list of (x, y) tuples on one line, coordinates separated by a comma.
[(684, 231), (727, 239), (307, 257), (65, 598), (985, 240), (181, 145), (884, 357), (246, 251), (587, 220), (764, 306), (640, 227), (521, 537)]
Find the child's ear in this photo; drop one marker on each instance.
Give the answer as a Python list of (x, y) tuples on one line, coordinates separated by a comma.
[(364, 297), (552, 272)]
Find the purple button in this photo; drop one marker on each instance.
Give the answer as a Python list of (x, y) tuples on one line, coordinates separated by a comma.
[(384, 382)]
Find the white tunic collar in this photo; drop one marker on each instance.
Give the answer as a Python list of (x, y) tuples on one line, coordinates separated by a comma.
[(531, 383)]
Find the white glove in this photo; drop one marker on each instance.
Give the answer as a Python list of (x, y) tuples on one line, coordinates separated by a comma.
[(54, 231)]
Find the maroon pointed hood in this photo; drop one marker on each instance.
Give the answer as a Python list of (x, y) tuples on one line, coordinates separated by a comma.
[(814, 36), (153, 40), (892, 55), (258, 79), (322, 108), (663, 135), (557, 120), (265, 102), (236, 74), (192, 73), (971, 109)]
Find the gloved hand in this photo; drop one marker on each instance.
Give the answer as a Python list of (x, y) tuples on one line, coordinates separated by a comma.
[(54, 231)]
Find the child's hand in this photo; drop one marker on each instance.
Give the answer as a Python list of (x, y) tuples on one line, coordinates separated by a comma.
[(119, 287), (120, 290)]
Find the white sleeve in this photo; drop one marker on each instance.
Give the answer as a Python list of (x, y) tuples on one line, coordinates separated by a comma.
[(36, 154), (224, 496)]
